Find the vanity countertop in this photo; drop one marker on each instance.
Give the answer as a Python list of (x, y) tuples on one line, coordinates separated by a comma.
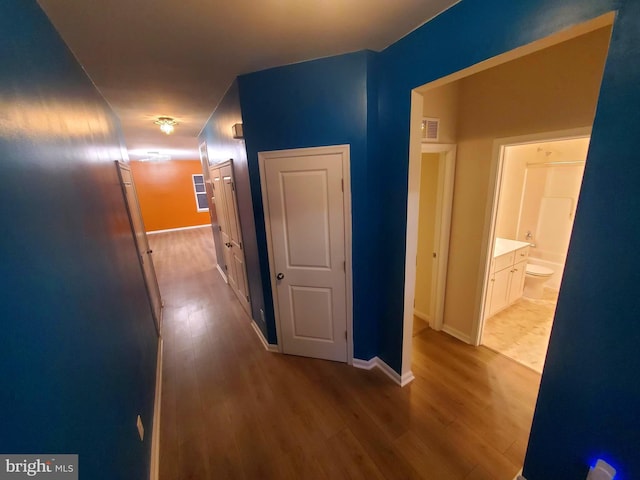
[(504, 245)]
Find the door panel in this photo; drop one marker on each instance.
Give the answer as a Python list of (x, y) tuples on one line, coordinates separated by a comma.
[(307, 232), (305, 205), (517, 281), (312, 313), (500, 290), (142, 245), (218, 193)]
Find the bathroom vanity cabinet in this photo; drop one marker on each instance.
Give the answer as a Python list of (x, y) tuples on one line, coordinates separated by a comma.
[(506, 277)]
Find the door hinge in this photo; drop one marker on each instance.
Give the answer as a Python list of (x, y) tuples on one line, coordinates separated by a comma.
[(344, 266), (233, 187), (219, 228), (240, 245), (342, 184), (345, 335), (225, 268), (247, 297)]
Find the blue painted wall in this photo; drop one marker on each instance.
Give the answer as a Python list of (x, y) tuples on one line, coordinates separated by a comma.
[(589, 395), (221, 146), (316, 103), (78, 344)]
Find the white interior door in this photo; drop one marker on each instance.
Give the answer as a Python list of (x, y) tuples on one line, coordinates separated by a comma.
[(221, 211), (142, 245), (236, 248), (305, 215), (230, 232)]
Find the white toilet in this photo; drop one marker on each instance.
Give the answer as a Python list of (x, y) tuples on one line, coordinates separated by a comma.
[(534, 280)]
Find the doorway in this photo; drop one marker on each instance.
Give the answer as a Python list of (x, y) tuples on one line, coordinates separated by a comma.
[(141, 242), (506, 97), (536, 198), (429, 206), (306, 198)]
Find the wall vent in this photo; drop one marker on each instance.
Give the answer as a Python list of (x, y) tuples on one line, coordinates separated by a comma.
[(430, 129)]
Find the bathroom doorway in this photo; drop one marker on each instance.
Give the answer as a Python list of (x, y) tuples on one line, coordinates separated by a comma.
[(536, 197)]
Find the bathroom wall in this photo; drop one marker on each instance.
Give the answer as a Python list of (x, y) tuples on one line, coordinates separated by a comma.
[(512, 186), (514, 175), (426, 233)]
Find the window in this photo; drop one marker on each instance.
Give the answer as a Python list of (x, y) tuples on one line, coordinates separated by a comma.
[(200, 192)]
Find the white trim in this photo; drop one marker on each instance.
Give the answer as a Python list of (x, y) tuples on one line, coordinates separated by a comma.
[(222, 274), (154, 470), (454, 332), (345, 151), (442, 230), (519, 476), (153, 232), (401, 380), (269, 347), (491, 210), (196, 193), (365, 364), (422, 315)]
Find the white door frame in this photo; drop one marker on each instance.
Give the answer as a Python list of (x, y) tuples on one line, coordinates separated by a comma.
[(444, 207), (142, 245), (343, 150), (491, 210)]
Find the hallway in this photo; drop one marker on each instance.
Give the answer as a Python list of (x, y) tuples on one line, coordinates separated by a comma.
[(230, 409)]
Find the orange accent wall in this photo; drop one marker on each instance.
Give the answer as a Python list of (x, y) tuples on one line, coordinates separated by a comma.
[(165, 193)]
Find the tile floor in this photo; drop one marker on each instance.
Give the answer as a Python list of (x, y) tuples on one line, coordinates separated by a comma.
[(522, 331)]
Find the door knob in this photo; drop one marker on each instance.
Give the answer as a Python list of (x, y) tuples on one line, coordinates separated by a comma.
[(280, 276), (149, 251)]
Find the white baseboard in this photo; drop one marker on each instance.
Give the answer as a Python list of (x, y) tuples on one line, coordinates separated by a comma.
[(519, 476), (269, 347), (422, 316), (154, 470), (401, 380), (222, 274), (153, 232), (365, 364), (457, 334)]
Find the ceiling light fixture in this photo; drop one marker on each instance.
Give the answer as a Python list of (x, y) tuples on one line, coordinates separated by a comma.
[(167, 124)]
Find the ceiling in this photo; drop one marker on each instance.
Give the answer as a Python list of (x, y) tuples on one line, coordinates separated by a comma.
[(152, 58)]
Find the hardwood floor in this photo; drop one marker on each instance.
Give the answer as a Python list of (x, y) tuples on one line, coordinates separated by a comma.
[(232, 410)]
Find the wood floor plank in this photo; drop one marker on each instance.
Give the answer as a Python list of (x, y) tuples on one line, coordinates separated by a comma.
[(232, 410), (429, 463)]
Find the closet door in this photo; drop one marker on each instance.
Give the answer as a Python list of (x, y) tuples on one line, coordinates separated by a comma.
[(218, 199), (142, 245), (230, 231)]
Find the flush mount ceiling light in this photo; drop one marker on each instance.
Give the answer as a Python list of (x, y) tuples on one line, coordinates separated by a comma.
[(167, 124)]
